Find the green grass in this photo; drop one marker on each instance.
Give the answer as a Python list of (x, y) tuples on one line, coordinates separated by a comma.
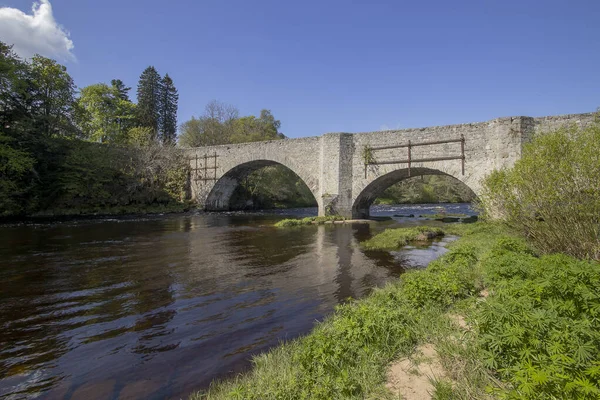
[(448, 215), (288, 222), (394, 238), (535, 336)]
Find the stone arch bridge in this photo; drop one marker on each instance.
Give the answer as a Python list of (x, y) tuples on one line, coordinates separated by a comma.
[(347, 172)]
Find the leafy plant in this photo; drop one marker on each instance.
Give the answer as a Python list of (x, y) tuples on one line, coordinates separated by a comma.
[(540, 330), (552, 195), (368, 155)]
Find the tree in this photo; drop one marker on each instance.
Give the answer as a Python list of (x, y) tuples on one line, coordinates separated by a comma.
[(120, 87), (105, 116), (14, 90), (168, 111), (214, 127), (16, 161), (221, 124), (149, 94), (53, 98), (252, 129)]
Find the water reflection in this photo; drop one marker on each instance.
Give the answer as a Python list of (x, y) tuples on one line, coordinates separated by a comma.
[(158, 307)]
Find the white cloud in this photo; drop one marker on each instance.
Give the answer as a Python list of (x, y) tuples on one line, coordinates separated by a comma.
[(37, 33)]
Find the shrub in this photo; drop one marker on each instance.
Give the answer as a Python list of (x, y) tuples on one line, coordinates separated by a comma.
[(552, 195)]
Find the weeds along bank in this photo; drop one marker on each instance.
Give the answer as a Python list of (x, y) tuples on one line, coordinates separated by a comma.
[(536, 335)]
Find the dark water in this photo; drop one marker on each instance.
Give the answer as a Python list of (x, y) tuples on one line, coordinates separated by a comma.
[(158, 307)]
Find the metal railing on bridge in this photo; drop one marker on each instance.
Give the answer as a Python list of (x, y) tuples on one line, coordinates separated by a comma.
[(409, 160)]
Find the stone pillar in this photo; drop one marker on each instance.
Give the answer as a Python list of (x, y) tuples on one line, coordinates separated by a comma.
[(336, 174)]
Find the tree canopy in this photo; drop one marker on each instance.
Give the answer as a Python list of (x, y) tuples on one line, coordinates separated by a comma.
[(221, 124)]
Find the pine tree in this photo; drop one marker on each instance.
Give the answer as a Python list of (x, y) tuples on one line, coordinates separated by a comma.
[(120, 87), (168, 111), (149, 98)]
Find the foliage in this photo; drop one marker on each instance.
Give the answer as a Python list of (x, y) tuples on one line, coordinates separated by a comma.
[(90, 177), (46, 168), (395, 238), (368, 155), (427, 189), (541, 328), (168, 111), (53, 96), (15, 166), (212, 128), (140, 136), (221, 124), (551, 195), (105, 116), (121, 89), (272, 187), (252, 129), (149, 91)]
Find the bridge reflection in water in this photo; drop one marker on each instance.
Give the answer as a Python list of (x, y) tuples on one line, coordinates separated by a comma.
[(158, 307)]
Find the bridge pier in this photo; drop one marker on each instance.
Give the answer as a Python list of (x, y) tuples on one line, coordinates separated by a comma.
[(336, 174)]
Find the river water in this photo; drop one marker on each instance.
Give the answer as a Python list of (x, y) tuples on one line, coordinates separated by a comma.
[(159, 306)]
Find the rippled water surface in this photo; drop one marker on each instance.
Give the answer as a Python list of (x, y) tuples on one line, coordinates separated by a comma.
[(157, 307)]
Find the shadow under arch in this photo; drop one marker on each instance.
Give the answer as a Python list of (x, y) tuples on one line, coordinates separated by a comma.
[(360, 207), (220, 195)]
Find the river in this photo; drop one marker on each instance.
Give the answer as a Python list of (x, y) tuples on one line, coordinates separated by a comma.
[(159, 306)]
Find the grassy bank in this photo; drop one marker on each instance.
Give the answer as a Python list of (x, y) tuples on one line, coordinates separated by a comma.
[(98, 212), (391, 239), (534, 336), (308, 221)]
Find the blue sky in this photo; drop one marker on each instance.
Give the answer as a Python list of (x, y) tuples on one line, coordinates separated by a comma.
[(341, 66)]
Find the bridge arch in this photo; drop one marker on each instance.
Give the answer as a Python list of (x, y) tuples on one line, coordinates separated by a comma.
[(364, 200), (218, 198)]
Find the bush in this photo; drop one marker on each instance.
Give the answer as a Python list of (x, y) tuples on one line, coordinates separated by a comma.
[(552, 194)]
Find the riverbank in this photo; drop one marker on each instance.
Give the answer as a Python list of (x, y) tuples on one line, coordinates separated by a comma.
[(55, 215), (502, 320)]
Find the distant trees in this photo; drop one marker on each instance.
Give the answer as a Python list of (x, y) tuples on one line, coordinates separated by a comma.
[(157, 105), (221, 124), (427, 189), (149, 93), (106, 114), (167, 112), (119, 86)]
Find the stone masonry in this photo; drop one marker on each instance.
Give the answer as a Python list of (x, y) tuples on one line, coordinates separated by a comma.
[(333, 165)]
